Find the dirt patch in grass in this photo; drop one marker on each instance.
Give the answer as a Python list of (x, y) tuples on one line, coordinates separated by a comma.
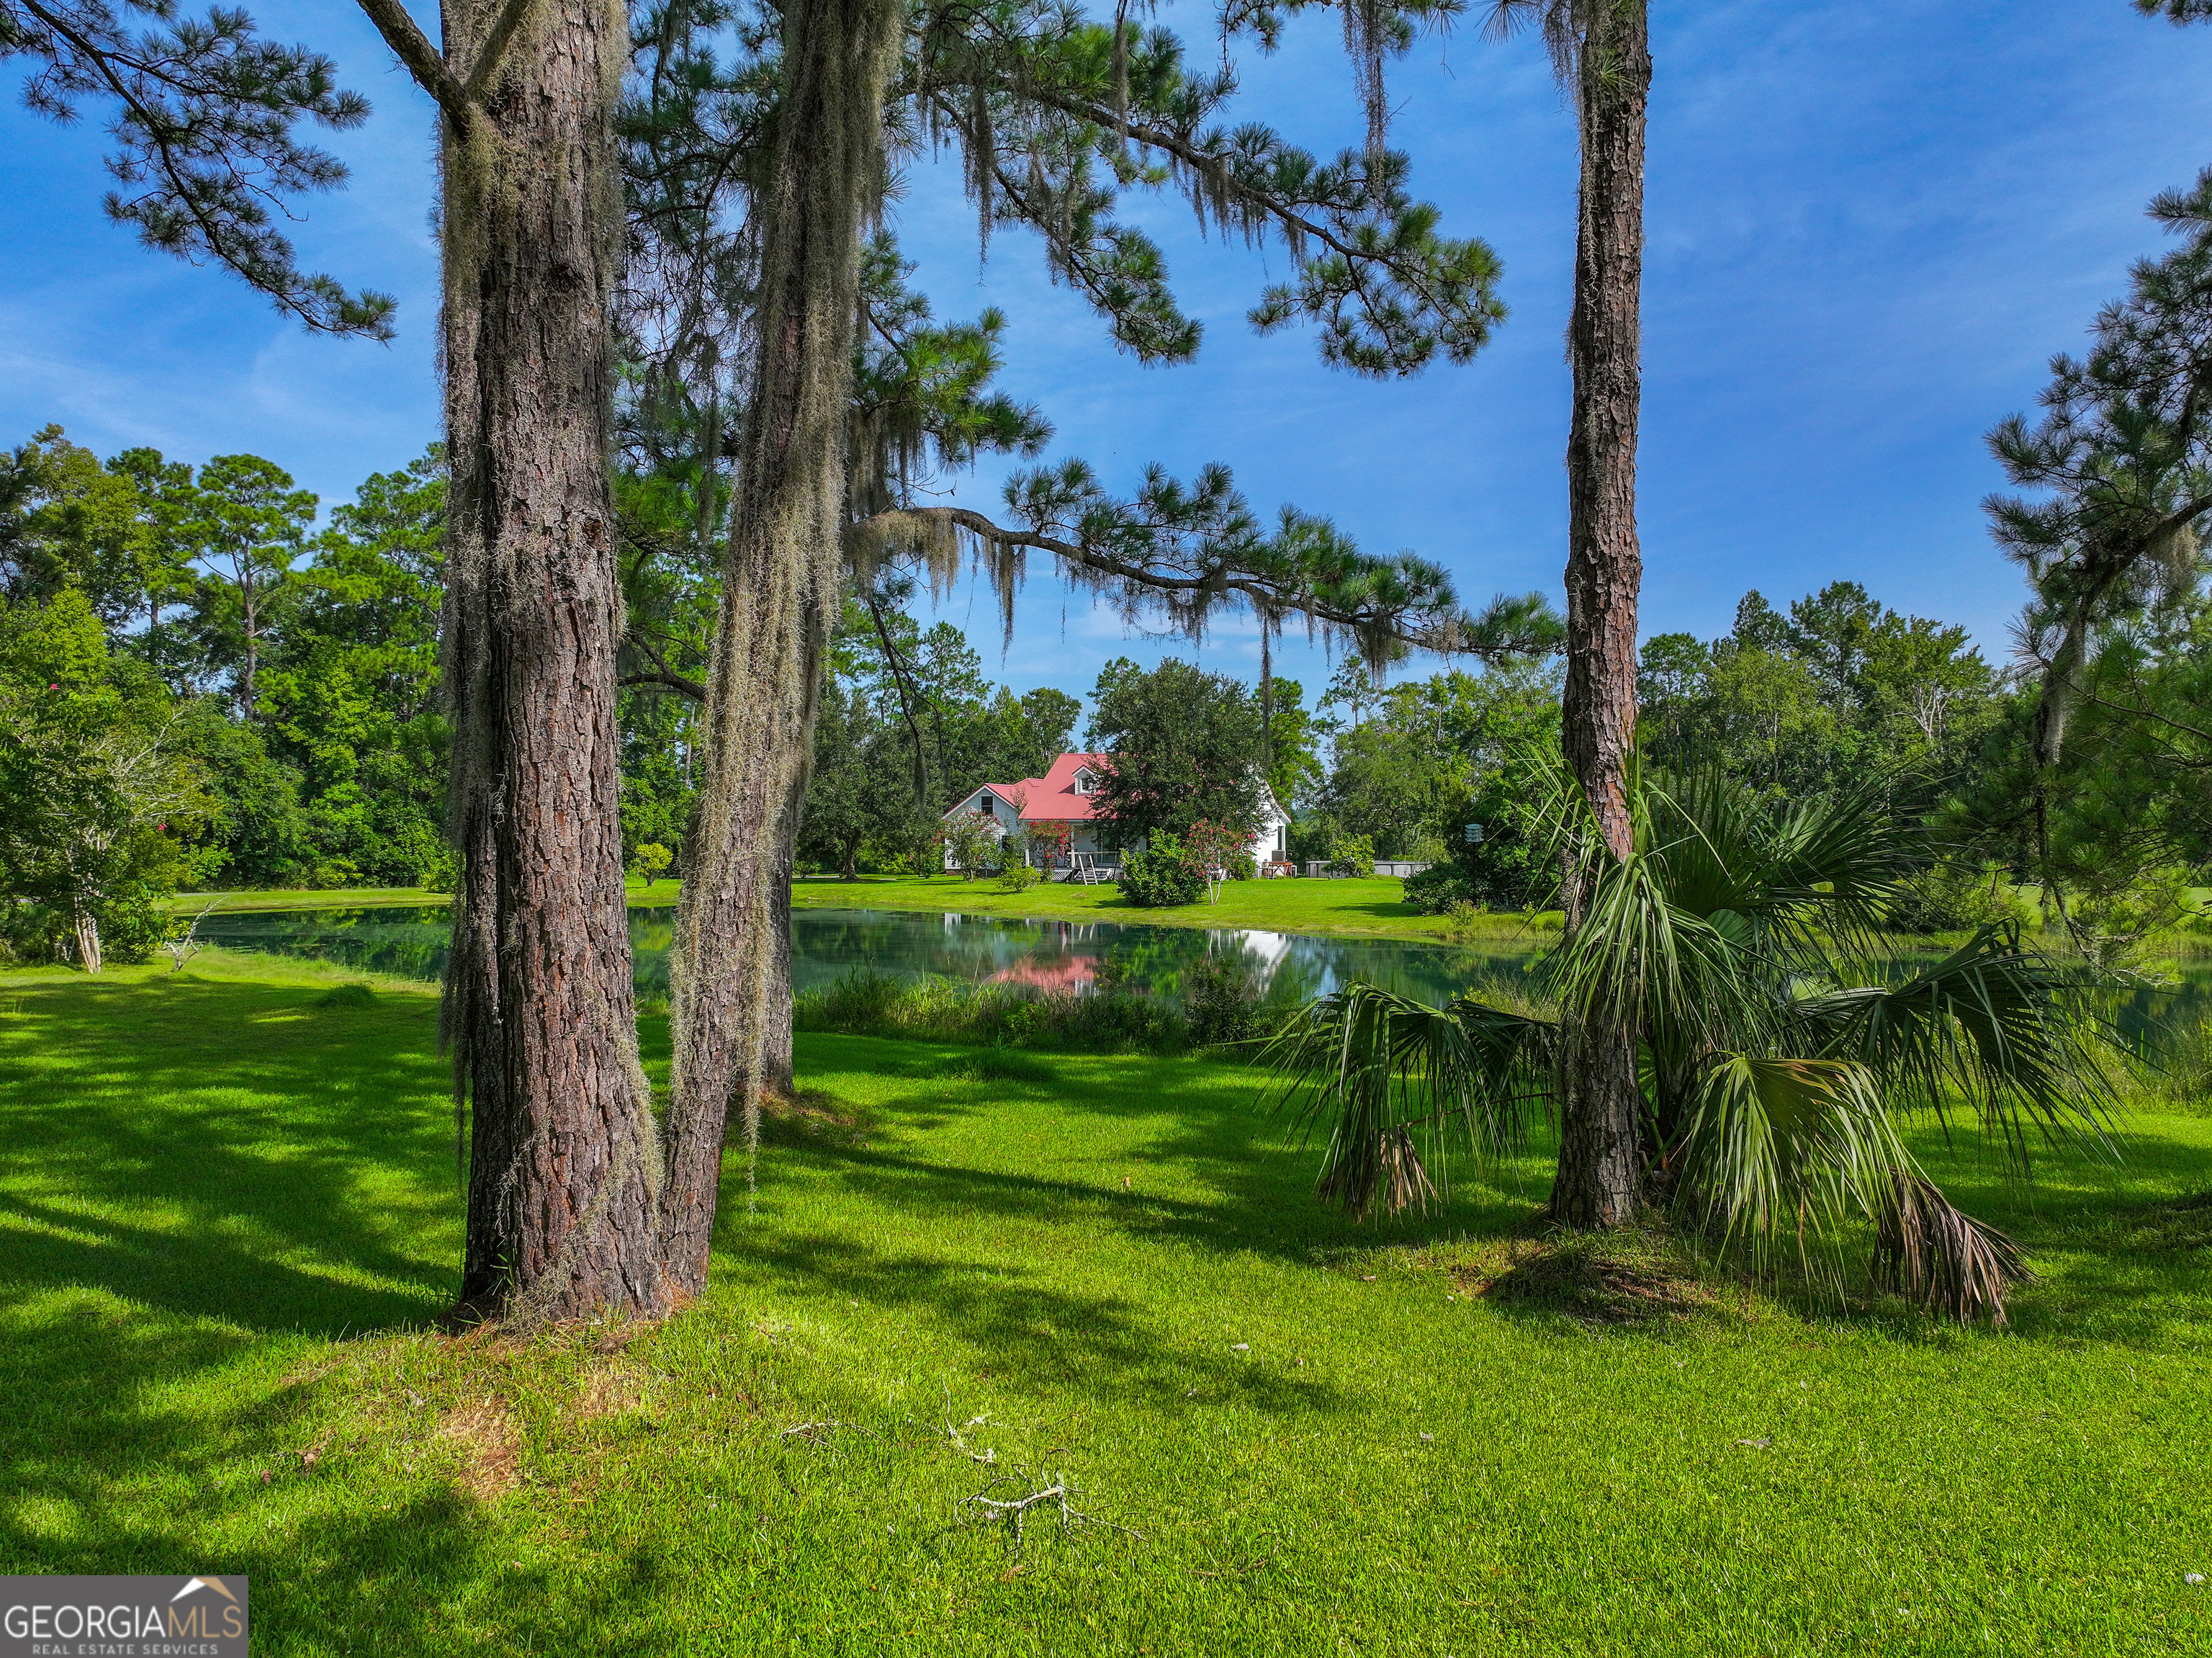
[(609, 1390), (490, 1446), (1601, 1286), (810, 1117)]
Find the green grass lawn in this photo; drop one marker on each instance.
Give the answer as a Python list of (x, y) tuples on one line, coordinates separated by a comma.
[(227, 1209), (1371, 909), (1375, 908), (367, 897)]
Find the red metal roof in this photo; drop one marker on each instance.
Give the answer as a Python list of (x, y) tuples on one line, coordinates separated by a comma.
[(1052, 797)]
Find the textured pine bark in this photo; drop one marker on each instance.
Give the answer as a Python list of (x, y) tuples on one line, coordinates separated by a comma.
[(564, 1163), (1598, 1160), (729, 981)]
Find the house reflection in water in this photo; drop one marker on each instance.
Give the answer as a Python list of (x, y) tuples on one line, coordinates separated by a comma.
[(1065, 974)]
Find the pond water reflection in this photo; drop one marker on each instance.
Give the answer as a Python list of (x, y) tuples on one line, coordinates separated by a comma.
[(1053, 955)]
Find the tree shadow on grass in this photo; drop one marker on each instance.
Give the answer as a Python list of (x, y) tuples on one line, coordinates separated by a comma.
[(2124, 1263), (333, 1568), (1025, 1328), (1211, 1119), (243, 1152)]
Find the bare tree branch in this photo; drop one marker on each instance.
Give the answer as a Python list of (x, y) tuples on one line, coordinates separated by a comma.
[(424, 61)]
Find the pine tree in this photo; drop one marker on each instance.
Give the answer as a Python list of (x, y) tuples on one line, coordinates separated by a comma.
[(1032, 104), (1601, 52), (565, 1163)]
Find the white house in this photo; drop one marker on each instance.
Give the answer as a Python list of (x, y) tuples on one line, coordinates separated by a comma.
[(1062, 797)]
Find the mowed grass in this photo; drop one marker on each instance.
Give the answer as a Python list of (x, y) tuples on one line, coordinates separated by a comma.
[(636, 890), (1372, 908), (227, 1210)]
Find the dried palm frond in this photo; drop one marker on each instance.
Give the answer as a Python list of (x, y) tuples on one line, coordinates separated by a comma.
[(1950, 1263)]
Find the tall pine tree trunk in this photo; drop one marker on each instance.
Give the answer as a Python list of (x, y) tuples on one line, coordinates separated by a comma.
[(780, 593), (1599, 1153), (564, 1161)]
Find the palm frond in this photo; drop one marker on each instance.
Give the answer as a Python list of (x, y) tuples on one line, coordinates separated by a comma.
[(1779, 1145), (1835, 860), (1995, 1024), (1818, 869), (1639, 958), (1709, 834), (1385, 1074)]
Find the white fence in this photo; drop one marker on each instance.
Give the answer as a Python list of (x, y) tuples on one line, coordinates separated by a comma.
[(1319, 870)]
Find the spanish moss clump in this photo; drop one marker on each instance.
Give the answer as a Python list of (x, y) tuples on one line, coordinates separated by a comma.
[(780, 593)]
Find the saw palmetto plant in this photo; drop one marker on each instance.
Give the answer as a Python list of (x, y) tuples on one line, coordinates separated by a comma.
[(1781, 1045)]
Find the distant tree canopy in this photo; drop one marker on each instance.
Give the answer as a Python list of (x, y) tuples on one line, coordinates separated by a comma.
[(292, 664), (98, 787), (908, 727), (1186, 748), (1801, 701), (301, 668), (1412, 766)]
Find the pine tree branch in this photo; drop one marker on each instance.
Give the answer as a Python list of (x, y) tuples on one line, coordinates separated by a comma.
[(424, 61), (265, 263), (1295, 225), (667, 681), (1271, 596)]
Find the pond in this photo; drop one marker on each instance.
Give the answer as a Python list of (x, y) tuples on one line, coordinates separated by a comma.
[(826, 943), (1058, 956)]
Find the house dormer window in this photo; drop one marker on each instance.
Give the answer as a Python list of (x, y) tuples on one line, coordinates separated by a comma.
[(1083, 780)]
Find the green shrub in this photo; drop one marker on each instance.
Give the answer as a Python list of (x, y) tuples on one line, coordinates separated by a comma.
[(1459, 917), (1018, 877), (1353, 854), (1163, 874), (439, 870), (131, 929), (31, 932), (1243, 866), (1439, 888), (1222, 999)]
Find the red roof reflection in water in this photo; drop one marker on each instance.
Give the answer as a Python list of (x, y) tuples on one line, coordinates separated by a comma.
[(1064, 972)]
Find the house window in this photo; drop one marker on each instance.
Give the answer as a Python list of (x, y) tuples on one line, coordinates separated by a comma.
[(1082, 783)]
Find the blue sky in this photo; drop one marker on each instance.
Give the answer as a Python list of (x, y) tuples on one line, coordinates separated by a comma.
[(1870, 226)]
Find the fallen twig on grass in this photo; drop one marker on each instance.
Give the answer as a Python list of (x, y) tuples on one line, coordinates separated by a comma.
[(1049, 1490), (1011, 1512), (987, 1456)]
